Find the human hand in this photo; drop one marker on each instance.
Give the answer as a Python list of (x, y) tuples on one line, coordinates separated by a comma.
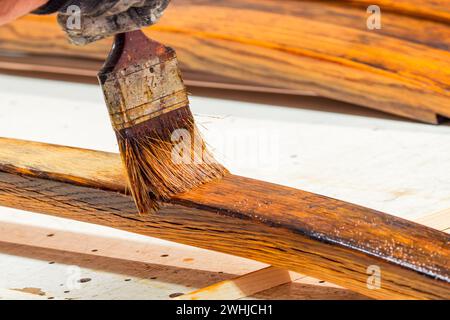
[(13, 9), (86, 21)]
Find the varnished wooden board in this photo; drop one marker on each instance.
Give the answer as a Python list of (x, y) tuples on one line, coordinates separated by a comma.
[(438, 10), (261, 280), (288, 228), (315, 47)]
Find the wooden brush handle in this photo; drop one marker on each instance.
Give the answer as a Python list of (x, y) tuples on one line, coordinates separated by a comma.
[(131, 48)]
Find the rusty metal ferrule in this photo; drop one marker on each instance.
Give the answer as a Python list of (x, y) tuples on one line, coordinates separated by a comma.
[(144, 91)]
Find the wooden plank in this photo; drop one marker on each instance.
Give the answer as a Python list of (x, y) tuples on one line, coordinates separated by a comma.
[(319, 48), (162, 267), (307, 288), (287, 228), (243, 286), (268, 283), (438, 220), (437, 10), (270, 277), (71, 69)]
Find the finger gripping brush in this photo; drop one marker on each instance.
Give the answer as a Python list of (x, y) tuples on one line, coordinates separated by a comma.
[(159, 143)]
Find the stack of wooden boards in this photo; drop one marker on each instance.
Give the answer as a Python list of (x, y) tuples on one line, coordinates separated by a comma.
[(300, 47)]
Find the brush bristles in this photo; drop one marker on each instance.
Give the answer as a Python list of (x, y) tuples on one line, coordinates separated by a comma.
[(165, 156)]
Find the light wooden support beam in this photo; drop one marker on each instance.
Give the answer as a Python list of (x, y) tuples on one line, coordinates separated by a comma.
[(243, 286), (438, 220), (287, 228)]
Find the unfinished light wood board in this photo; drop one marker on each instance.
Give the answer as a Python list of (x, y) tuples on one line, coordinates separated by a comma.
[(243, 286), (52, 255), (272, 283), (320, 48), (287, 228), (438, 220)]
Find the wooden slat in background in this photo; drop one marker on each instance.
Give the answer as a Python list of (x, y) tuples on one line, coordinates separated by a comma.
[(315, 47), (438, 10)]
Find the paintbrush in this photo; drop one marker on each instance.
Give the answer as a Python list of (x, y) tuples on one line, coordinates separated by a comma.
[(160, 145)]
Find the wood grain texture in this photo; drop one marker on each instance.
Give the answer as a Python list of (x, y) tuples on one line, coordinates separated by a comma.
[(315, 47), (287, 228)]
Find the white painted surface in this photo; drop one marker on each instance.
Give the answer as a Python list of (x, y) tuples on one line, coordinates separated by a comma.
[(395, 166)]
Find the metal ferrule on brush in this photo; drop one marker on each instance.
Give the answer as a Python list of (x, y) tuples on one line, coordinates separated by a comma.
[(142, 92)]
